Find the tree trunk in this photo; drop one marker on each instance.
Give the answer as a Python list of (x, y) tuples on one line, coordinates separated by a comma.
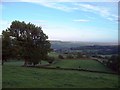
[(25, 63), (2, 62), (40, 62)]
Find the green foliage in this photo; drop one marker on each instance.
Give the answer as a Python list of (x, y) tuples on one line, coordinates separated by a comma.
[(114, 63), (50, 59), (79, 55), (60, 57), (9, 50), (6, 45), (28, 41), (69, 56)]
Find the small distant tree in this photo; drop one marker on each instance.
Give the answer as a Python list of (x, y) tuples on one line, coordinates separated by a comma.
[(50, 59), (79, 55), (69, 56), (60, 57)]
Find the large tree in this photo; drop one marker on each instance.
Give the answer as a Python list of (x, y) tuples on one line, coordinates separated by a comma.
[(31, 42), (5, 46)]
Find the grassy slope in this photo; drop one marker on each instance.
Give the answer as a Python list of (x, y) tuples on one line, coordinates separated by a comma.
[(15, 76), (85, 64)]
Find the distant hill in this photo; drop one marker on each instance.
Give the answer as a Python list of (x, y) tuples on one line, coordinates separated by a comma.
[(69, 44)]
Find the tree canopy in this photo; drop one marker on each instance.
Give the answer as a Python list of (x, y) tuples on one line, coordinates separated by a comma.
[(26, 41), (114, 63)]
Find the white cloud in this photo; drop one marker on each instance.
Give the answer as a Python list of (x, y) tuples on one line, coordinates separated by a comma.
[(55, 4), (81, 20), (102, 11), (92, 8)]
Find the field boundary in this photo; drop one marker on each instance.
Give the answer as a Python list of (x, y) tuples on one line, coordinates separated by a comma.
[(74, 69)]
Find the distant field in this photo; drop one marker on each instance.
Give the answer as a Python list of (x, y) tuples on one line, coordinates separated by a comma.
[(15, 76), (84, 64), (53, 54)]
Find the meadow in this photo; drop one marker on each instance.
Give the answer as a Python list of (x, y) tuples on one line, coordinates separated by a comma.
[(81, 63), (16, 76)]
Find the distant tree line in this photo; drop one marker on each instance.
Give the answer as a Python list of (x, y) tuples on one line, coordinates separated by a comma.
[(73, 55), (96, 49), (25, 41), (112, 62)]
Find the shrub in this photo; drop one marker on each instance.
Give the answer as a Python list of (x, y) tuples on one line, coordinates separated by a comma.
[(57, 66), (50, 59), (69, 56), (113, 63), (79, 55), (60, 57)]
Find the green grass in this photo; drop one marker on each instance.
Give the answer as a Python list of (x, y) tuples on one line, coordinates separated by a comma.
[(20, 63), (85, 64), (15, 76)]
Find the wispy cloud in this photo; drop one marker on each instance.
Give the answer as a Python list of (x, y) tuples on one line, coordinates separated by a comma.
[(81, 20), (56, 4), (100, 10)]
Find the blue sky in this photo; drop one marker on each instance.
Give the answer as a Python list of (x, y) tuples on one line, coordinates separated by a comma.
[(66, 21)]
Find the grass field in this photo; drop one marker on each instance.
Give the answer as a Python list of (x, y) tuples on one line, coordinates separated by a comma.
[(15, 76), (84, 64)]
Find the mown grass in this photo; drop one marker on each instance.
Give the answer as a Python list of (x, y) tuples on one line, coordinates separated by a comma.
[(15, 76)]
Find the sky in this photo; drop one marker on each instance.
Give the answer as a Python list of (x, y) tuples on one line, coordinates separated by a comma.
[(65, 20)]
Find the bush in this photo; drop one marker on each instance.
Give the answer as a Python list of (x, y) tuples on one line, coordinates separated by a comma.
[(113, 63), (57, 66), (79, 55), (50, 59), (60, 57), (69, 56)]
